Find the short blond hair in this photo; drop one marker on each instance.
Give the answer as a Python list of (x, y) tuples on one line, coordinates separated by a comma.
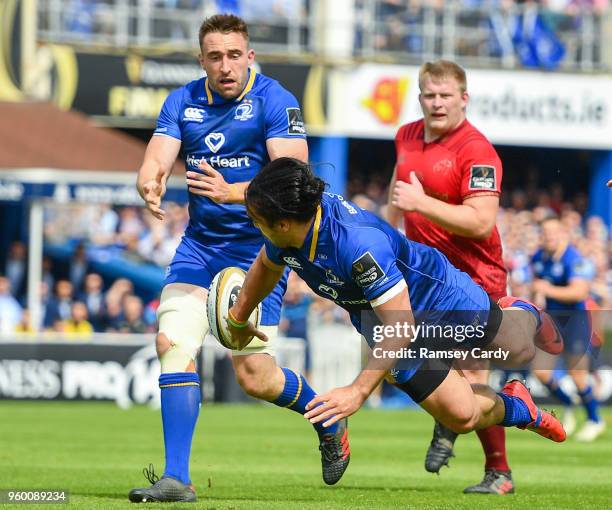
[(441, 69), (223, 23)]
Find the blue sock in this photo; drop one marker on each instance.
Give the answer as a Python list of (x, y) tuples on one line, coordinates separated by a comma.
[(525, 305), (590, 404), (555, 389), (516, 413), (180, 406), (296, 394)]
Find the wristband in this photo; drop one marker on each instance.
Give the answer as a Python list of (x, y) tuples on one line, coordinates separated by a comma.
[(234, 322)]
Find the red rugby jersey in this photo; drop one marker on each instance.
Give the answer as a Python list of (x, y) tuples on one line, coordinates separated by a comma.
[(461, 164)]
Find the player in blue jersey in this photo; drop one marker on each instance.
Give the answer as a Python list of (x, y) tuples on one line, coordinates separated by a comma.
[(227, 126), (562, 276), (388, 283)]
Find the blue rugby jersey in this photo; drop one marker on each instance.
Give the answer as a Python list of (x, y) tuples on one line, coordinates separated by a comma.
[(560, 272), (231, 137), (353, 258)]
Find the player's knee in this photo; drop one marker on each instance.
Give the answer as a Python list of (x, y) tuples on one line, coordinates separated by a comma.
[(254, 381), (182, 325), (162, 344), (251, 387), (524, 354), (250, 381), (462, 421)]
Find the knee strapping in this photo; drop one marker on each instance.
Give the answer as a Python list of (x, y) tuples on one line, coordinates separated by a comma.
[(182, 319)]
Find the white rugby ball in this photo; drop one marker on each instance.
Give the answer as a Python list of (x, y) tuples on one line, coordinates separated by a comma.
[(222, 295)]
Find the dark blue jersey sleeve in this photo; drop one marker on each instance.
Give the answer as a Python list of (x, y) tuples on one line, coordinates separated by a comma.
[(273, 253), (283, 114), (371, 262), (168, 120)]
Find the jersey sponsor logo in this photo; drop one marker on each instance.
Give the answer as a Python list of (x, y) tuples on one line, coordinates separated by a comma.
[(193, 115), (483, 177), (443, 165), (219, 162), (244, 111), (292, 262), (296, 122), (328, 291), (366, 270), (214, 141)]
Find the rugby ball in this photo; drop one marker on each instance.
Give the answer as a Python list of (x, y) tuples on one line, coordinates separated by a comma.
[(222, 294)]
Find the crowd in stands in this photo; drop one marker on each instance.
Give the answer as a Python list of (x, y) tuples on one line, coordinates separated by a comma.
[(75, 306), (172, 20), (528, 33), (79, 301), (79, 313), (531, 33)]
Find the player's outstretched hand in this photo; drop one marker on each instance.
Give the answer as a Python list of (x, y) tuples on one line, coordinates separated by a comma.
[(407, 195), (209, 184), (152, 193), (334, 405)]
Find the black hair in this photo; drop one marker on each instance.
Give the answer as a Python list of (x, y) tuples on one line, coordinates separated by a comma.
[(285, 188)]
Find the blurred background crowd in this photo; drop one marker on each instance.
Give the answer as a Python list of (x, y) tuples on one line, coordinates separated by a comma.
[(528, 33)]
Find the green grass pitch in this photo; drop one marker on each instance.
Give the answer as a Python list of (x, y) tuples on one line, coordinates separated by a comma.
[(261, 457)]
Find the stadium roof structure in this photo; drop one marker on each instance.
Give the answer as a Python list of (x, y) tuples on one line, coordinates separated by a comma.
[(40, 135)]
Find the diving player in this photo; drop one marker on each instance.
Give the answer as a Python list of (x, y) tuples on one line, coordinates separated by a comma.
[(367, 267)]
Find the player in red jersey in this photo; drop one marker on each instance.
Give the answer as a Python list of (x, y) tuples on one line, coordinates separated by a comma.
[(447, 182)]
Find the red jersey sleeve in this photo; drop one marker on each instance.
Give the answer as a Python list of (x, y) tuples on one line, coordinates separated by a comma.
[(480, 168)]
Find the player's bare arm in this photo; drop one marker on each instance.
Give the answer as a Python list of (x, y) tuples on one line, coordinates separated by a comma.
[(394, 213), (343, 402), (211, 183), (474, 218), (288, 148), (159, 158), (262, 277), (576, 291)]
